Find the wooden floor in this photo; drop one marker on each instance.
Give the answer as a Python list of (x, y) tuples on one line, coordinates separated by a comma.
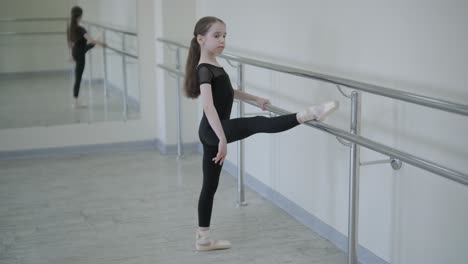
[(138, 207)]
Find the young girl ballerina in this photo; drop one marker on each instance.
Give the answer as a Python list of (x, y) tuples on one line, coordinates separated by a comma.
[(78, 38), (206, 78)]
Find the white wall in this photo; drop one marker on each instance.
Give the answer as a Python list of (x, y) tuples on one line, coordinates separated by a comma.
[(115, 13), (173, 22), (29, 53), (409, 216), (103, 132)]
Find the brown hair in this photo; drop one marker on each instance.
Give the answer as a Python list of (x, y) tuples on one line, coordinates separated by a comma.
[(191, 87), (72, 30)]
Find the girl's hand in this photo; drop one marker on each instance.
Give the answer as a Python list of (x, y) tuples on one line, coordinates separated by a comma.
[(100, 43), (262, 102), (222, 152)]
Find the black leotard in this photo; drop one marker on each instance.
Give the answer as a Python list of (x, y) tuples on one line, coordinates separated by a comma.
[(223, 95)]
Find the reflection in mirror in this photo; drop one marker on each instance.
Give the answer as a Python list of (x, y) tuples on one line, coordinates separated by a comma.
[(44, 55)]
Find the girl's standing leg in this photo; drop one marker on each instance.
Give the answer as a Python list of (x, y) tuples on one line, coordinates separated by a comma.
[(80, 60), (211, 172), (79, 69)]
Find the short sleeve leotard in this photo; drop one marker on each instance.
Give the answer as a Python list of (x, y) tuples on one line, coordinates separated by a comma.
[(80, 47), (223, 95)]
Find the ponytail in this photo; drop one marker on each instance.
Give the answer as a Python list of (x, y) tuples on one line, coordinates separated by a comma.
[(72, 31), (192, 89)]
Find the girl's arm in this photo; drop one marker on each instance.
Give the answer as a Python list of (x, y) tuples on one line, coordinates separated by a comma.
[(68, 37), (210, 111), (262, 102), (215, 123), (70, 44), (244, 96), (93, 41)]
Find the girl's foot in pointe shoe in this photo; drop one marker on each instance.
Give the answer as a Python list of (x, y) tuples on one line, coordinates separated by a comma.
[(317, 112), (203, 242)]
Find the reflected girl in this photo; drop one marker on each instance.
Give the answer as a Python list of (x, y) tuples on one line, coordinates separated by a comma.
[(78, 39)]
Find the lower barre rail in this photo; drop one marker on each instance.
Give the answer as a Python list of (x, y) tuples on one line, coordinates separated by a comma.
[(430, 166)]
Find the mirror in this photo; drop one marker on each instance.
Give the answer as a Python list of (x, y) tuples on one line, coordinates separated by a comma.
[(38, 71)]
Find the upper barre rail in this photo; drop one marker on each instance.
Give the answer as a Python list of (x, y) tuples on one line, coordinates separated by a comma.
[(365, 87), (126, 32), (48, 19), (122, 52)]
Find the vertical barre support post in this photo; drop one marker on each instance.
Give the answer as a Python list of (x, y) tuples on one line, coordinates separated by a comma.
[(240, 143), (354, 163), (90, 85), (104, 62), (178, 106), (124, 73)]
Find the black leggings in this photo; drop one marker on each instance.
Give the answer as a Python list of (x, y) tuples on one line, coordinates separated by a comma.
[(79, 57), (234, 129)]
